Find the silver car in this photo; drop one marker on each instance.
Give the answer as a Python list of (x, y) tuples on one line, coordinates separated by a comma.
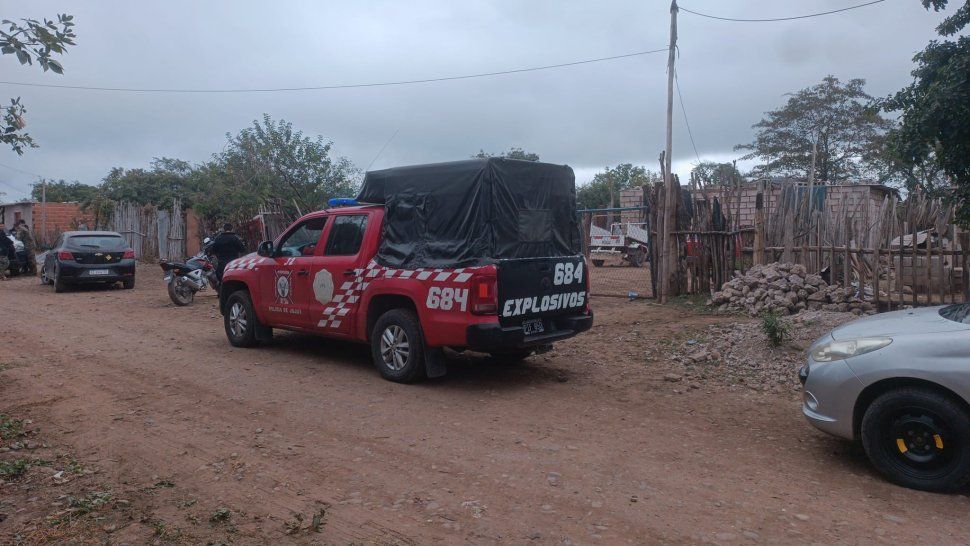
[(900, 383)]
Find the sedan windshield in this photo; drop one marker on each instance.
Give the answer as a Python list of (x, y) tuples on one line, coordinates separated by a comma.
[(96, 242), (957, 313)]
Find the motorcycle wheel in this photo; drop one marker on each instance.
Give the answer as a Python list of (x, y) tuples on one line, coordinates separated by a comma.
[(180, 292)]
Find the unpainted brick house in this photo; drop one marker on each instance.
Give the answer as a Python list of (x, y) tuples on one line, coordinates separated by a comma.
[(834, 197)]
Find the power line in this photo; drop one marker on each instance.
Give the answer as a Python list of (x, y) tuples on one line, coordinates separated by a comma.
[(20, 170), (338, 86), (686, 121), (11, 186), (774, 19), (371, 164)]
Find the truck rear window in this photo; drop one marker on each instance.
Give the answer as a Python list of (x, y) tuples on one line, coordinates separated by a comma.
[(346, 234)]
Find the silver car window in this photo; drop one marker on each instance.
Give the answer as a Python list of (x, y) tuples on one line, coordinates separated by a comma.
[(957, 313)]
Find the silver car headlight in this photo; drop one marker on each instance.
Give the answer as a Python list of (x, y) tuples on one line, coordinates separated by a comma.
[(838, 350)]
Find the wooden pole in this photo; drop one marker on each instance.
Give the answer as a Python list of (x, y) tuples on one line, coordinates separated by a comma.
[(965, 264), (875, 277), (669, 244), (913, 263), (845, 258), (927, 273), (759, 226)]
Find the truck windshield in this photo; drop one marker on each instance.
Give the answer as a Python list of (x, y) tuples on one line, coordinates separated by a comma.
[(957, 313)]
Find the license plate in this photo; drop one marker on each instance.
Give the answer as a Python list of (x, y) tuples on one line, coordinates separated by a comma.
[(99, 272), (531, 327)]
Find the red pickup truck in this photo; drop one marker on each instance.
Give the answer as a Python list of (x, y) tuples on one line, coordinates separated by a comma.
[(480, 255)]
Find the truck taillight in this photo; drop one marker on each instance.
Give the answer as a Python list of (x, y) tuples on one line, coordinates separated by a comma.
[(129, 254), (64, 255), (586, 267), (484, 295)]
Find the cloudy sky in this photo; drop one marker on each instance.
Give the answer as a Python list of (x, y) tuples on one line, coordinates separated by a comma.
[(586, 116)]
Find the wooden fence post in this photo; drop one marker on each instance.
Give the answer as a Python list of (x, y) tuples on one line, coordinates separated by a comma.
[(759, 226), (965, 264)]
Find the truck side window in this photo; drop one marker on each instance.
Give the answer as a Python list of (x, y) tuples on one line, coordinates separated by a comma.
[(302, 241), (346, 235)]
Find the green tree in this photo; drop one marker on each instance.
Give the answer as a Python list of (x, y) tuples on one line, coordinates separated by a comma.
[(597, 193), (710, 173), (275, 164), (512, 153), (31, 41), (164, 180), (837, 117), (61, 191), (931, 145)]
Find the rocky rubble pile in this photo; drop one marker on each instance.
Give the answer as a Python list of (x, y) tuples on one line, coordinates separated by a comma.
[(738, 353), (785, 288)]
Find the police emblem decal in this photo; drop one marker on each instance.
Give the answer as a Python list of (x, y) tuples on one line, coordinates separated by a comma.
[(283, 287)]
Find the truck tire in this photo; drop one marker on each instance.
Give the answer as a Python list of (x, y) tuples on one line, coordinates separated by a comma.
[(129, 285), (397, 346), (240, 320), (918, 438)]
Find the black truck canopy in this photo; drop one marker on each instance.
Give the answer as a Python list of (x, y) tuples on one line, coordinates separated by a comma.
[(474, 212)]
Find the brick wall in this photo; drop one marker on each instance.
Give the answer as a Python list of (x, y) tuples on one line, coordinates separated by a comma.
[(835, 198), (61, 217)]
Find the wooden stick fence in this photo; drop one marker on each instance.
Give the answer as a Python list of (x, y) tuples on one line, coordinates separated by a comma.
[(893, 252)]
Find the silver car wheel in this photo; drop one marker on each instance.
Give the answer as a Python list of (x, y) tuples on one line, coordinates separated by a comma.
[(238, 320), (395, 348)]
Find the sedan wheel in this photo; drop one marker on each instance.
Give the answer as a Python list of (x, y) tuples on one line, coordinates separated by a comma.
[(919, 438)]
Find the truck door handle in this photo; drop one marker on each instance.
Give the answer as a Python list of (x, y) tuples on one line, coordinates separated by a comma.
[(303, 272), (348, 272)]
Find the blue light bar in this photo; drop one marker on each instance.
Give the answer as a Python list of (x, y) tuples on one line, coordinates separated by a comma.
[(342, 202)]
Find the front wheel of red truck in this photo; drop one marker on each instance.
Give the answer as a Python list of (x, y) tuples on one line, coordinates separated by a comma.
[(242, 327), (397, 346)]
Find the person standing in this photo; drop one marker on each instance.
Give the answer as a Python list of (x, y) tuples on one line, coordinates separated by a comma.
[(226, 247), (27, 238), (8, 253)]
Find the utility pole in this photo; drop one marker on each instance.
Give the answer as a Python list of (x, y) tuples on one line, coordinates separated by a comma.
[(609, 182), (668, 254), (43, 209)]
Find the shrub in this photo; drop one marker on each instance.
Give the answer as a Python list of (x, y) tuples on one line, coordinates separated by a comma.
[(776, 329)]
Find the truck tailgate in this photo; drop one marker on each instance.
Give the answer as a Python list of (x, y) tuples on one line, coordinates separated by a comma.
[(537, 288)]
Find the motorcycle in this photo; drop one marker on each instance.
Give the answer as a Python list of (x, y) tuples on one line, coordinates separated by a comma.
[(184, 279)]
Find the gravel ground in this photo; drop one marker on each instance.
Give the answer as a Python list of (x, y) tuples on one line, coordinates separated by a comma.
[(738, 353)]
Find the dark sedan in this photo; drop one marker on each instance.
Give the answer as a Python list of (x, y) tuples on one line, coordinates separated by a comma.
[(89, 257)]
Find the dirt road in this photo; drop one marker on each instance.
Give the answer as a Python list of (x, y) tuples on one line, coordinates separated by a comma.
[(588, 444)]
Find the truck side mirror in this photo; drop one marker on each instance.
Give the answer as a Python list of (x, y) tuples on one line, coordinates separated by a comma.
[(265, 249)]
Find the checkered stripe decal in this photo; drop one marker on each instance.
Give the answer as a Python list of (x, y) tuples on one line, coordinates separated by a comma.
[(350, 291), (247, 263)]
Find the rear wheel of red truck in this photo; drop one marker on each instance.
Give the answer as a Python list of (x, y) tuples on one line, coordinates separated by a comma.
[(397, 346)]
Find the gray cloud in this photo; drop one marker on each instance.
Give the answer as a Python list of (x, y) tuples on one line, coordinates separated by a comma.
[(587, 116)]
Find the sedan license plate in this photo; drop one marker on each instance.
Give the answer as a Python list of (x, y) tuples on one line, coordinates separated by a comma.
[(99, 272), (531, 327)]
